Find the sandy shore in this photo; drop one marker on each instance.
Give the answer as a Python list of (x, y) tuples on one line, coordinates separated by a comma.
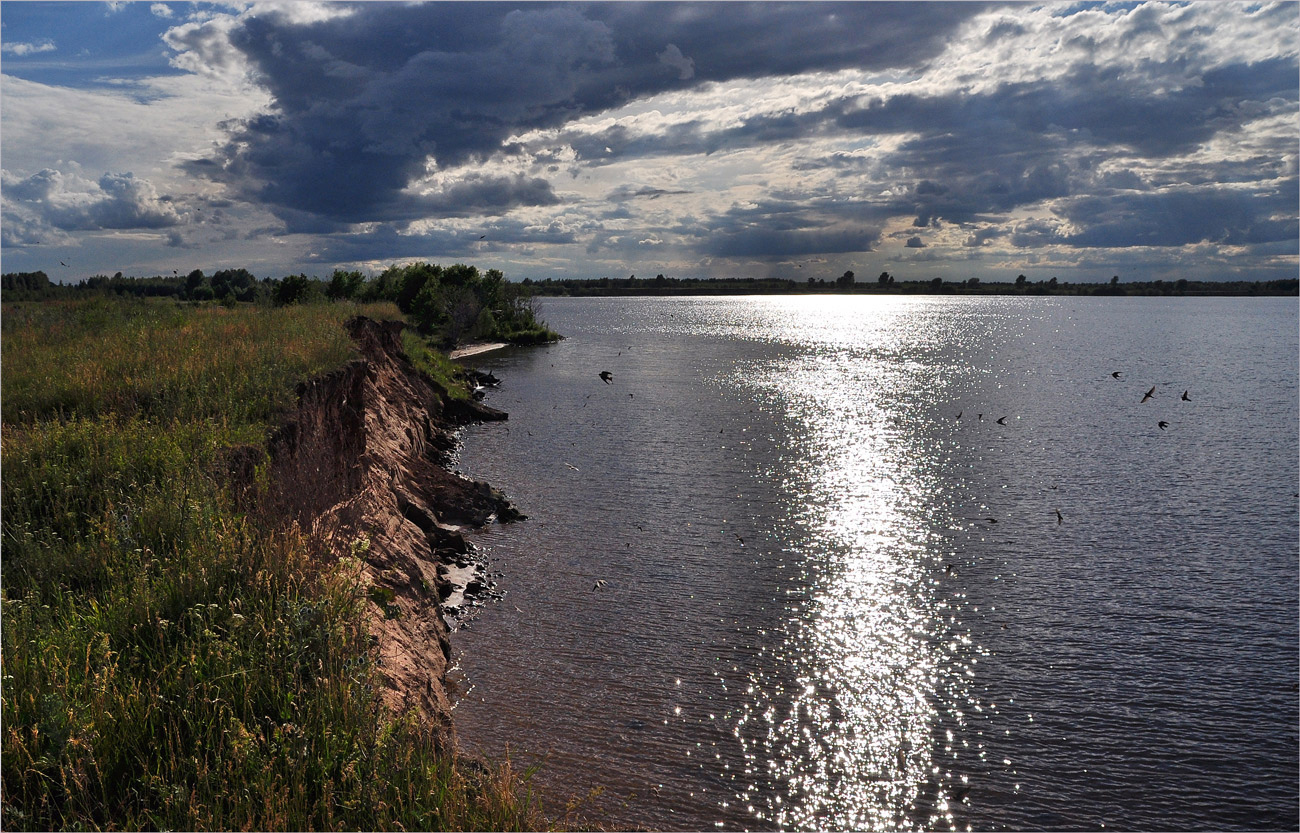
[(475, 349)]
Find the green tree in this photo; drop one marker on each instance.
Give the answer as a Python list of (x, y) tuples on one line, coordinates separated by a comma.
[(193, 282), (344, 285), (294, 289)]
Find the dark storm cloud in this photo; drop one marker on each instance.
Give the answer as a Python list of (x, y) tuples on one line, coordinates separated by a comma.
[(786, 228), (766, 243), (627, 192), (1022, 143), (1022, 128), (979, 237), (975, 157), (1213, 215), (385, 244), (1025, 143), (362, 102)]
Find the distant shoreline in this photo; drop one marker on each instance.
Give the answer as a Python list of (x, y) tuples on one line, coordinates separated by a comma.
[(887, 285)]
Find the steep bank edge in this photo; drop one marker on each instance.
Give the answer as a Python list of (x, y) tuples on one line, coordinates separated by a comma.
[(360, 465)]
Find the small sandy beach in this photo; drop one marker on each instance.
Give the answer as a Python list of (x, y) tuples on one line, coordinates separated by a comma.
[(475, 349)]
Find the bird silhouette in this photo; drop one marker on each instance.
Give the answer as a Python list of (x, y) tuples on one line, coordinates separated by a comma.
[(1163, 425), (1185, 397), (959, 413), (61, 263), (1002, 421), (1115, 375), (1150, 393), (599, 584), (1059, 519), (607, 376)]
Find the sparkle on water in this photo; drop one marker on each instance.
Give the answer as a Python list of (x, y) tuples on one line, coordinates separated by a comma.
[(875, 654)]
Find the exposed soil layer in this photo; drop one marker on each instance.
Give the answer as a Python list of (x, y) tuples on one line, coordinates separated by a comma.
[(361, 464)]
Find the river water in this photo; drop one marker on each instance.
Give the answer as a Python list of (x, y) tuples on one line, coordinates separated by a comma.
[(896, 563)]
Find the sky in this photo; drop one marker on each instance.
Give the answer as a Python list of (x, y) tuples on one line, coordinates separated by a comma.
[(582, 140)]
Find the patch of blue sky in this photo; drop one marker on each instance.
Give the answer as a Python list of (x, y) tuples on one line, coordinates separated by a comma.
[(87, 45)]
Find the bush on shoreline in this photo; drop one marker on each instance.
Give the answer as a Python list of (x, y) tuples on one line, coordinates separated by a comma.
[(172, 659)]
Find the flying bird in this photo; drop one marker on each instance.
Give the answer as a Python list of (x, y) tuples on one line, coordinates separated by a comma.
[(607, 376), (1115, 375), (599, 584), (61, 263), (1185, 397), (1163, 425), (1059, 519), (1002, 421), (1150, 393), (959, 413)]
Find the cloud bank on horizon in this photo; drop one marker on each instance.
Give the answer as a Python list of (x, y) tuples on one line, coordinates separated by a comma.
[(1155, 140)]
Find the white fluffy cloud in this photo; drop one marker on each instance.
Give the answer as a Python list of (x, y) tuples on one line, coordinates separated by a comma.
[(48, 203), (21, 49)]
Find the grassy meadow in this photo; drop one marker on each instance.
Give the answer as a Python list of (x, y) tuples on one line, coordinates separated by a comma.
[(169, 660)]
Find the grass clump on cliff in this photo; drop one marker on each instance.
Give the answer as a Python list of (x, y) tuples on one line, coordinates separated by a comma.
[(169, 660)]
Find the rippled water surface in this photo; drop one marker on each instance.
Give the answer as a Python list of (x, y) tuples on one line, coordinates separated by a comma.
[(904, 563)]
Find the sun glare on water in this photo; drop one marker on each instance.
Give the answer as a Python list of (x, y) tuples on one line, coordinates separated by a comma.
[(870, 646)]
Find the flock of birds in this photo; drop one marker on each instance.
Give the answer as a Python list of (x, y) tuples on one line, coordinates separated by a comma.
[(1118, 374), (608, 378)]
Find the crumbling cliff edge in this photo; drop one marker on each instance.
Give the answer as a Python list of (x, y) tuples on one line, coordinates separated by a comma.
[(360, 464)]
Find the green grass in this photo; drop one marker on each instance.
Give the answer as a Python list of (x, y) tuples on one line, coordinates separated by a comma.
[(434, 364), (168, 661)]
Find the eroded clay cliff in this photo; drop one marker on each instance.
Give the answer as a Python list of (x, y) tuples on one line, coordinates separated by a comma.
[(361, 465)]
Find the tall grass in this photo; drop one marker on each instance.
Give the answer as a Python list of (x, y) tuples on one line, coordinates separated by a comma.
[(169, 662)]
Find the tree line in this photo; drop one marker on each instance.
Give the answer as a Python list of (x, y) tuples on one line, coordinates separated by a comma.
[(448, 304), (888, 284)]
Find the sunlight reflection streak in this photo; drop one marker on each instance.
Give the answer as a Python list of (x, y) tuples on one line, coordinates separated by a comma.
[(852, 745)]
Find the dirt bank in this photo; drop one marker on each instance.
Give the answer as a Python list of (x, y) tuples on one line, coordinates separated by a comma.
[(361, 465)]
